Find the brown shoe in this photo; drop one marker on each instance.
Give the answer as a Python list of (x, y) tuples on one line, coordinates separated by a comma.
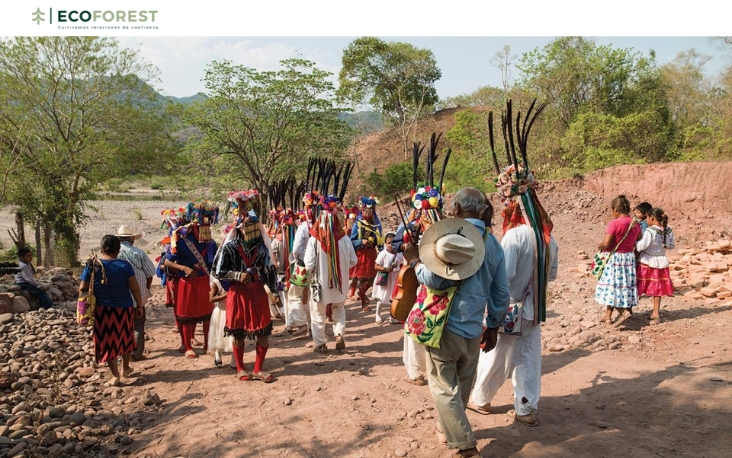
[(340, 343), (419, 381), (528, 420), (320, 349), (471, 452)]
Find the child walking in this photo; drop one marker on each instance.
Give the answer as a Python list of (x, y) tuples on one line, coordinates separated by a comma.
[(216, 340), (387, 265), (653, 273)]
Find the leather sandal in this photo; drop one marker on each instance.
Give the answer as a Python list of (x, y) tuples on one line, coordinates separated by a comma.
[(264, 376), (244, 376), (483, 410), (190, 354)]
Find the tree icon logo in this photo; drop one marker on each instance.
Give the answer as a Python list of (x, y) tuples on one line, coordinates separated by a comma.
[(38, 16)]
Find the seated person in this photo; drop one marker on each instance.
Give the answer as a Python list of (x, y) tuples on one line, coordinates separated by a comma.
[(27, 281)]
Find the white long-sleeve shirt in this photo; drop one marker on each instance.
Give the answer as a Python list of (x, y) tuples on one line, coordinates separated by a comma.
[(347, 259), (650, 246), (519, 249), (26, 275)]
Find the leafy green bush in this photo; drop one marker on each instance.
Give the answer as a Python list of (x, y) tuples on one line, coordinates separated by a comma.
[(396, 179)]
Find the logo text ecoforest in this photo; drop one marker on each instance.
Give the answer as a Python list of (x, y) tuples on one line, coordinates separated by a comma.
[(106, 16), (98, 19)]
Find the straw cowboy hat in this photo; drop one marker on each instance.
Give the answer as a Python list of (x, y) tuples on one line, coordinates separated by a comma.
[(126, 231), (452, 248)]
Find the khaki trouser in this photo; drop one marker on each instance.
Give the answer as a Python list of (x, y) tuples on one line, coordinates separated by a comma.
[(451, 373)]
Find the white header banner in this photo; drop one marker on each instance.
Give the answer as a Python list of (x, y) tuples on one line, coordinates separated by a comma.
[(376, 17)]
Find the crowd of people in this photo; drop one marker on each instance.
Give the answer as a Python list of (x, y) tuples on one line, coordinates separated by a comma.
[(307, 262)]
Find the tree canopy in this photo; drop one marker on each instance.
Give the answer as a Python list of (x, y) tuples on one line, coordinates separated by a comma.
[(74, 111), (396, 78), (264, 125)]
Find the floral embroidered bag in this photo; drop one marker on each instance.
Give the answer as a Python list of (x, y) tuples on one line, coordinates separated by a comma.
[(429, 314)]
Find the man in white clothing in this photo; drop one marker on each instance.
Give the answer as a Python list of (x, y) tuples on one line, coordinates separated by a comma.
[(328, 264), (518, 357)]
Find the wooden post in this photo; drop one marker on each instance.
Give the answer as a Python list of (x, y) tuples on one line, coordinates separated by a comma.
[(39, 250)]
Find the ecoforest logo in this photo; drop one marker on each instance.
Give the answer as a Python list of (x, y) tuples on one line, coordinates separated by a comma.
[(98, 19)]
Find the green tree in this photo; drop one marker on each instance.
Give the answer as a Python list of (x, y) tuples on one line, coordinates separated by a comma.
[(265, 125), (78, 111), (470, 163), (396, 78), (574, 75)]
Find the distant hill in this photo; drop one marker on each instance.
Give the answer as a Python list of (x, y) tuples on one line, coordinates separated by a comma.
[(187, 100)]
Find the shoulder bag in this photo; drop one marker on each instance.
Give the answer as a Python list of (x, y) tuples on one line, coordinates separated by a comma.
[(602, 257), (428, 317), (512, 323), (316, 290), (87, 302)]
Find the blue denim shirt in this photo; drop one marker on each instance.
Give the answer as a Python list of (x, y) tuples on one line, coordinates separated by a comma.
[(488, 287)]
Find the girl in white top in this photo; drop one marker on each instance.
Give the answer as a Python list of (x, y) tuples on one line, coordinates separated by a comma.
[(653, 271), (387, 265)]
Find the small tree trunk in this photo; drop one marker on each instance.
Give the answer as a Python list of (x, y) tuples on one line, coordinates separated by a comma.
[(39, 250), (48, 261), (20, 229)]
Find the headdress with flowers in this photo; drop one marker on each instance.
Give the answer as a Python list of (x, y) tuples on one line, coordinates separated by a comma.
[(369, 202), (173, 217), (516, 186), (328, 230)]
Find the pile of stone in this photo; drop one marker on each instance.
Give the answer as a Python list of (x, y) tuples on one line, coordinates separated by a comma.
[(53, 401), (704, 274), (58, 282)]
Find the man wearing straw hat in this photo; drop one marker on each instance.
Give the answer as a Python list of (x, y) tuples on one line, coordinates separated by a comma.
[(144, 272), (461, 250)]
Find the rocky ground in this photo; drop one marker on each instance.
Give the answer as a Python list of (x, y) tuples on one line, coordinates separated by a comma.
[(638, 390)]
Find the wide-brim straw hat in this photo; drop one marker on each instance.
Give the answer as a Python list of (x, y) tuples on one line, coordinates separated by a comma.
[(126, 231), (452, 248)]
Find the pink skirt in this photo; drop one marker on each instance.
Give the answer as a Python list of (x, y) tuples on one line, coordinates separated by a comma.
[(654, 282)]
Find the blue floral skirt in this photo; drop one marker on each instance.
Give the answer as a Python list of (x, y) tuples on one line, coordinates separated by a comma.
[(617, 286)]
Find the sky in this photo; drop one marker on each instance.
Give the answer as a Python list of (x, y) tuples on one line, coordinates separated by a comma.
[(464, 61)]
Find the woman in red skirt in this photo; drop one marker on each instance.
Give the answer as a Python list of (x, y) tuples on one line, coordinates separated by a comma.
[(366, 236), (191, 255), (653, 272), (245, 260), (115, 287)]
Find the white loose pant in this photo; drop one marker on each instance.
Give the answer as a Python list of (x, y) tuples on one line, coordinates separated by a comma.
[(285, 308), (414, 358), (318, 317), (515, 357), (297, 310)]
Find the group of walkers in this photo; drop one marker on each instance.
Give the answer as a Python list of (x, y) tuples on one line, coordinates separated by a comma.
[(637, 265), (306, 263)]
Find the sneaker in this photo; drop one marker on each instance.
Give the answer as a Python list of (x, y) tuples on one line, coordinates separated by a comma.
[(340, 343)]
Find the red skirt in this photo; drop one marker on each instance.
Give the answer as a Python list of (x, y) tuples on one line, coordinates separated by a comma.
[(192, 304), (114, 332), (365, 268), (654, 282), (247, 311)]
